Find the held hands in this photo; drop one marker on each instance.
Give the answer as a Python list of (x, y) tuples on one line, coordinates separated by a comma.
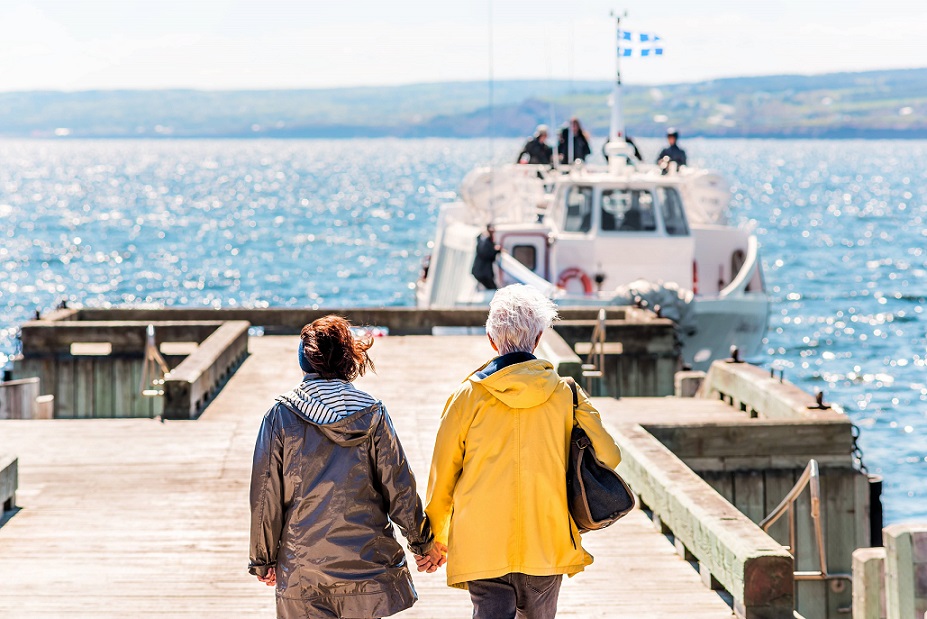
[(430, 562), (271, 579), (435, 558)]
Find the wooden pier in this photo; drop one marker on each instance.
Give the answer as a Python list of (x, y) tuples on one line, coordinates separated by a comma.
[(143, 518), (148, 517)]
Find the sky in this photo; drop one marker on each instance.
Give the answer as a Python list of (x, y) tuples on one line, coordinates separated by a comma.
[(261, 44)]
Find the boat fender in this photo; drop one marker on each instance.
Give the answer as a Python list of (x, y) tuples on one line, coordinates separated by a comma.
[(575, 272)]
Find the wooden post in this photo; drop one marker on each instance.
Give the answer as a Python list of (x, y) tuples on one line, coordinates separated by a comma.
[(749, 493), (83, 386), (45, 407), (868, 585), (64, 393), (123, 386), (905, 570), (103, 405), (17, 398), (843, 531), (687, 384)]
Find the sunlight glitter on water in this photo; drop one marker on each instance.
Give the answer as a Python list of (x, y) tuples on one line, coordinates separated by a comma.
[(338, 223)]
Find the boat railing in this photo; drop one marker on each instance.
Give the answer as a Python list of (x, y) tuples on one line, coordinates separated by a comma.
[(509, 193), (811, 479), (521, 274), (751, 263)]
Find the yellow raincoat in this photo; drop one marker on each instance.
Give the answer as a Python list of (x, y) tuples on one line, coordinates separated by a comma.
[(497, 487)]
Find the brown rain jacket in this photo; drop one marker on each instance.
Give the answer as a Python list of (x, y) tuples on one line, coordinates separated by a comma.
[(322, 497)]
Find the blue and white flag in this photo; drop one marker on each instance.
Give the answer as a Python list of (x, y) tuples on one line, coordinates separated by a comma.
[(641, 44)]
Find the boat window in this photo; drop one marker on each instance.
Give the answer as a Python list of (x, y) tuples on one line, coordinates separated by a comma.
[(527, 255), (627, 210), (674, 218), (579, 209)]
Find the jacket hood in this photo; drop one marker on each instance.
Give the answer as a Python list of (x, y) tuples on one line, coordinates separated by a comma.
[(345, 414), (520, 385)]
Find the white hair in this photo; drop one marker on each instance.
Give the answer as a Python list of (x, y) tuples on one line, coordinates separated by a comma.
[(517, 315)]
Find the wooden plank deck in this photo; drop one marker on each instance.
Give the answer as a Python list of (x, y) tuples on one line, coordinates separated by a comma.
[(139, 518)]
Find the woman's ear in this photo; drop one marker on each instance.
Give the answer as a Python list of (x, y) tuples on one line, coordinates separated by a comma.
[(494, 347), (537, 340)]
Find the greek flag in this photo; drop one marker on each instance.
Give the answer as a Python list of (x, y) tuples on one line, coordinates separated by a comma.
[(641, 44)]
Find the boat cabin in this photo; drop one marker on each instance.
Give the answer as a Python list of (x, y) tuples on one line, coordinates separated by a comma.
[(597, 235)]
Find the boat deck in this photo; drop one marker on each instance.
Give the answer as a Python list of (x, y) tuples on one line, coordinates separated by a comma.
[(143, 518)]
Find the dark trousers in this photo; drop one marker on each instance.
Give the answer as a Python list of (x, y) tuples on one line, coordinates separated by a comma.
[(489, 283), (515, 596)]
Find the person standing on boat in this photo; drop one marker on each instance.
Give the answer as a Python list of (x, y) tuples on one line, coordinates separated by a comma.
[(536, 150), (497, 491), (486, 252), (672, 152), (329, 479), (580, 143)]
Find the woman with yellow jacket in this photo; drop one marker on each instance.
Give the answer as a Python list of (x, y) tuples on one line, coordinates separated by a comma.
[(497, 487)]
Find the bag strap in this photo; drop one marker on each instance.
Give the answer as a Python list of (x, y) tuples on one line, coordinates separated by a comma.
[(572, 384)]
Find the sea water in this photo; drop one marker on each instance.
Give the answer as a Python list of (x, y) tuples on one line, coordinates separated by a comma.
[(328, 223)]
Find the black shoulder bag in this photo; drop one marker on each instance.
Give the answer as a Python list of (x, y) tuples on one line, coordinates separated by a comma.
[(596, 494)]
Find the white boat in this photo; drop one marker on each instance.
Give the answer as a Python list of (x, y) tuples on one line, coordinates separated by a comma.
[(622, 234)]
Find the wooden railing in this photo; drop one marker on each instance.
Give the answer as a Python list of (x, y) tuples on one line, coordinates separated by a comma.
[(755, 462), (98, 368), (732, 551), (759, 393), (190, 386), (400, 320), (20, 399)]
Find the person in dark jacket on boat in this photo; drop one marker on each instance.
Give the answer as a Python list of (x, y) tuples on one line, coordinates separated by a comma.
[(581, 148), (672, 152), (486, 252), (536, 150), (329, 476)]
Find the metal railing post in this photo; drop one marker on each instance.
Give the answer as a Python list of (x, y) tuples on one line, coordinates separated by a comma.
[(810, 477)]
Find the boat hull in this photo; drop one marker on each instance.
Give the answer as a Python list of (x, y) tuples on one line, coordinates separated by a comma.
[(723, 324)]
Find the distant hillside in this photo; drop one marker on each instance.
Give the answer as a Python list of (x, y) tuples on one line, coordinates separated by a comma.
[(891, 104)]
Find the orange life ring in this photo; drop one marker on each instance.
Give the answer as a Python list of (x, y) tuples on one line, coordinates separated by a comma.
[(575, 272)]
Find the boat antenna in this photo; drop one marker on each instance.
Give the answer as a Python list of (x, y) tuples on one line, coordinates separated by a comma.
[(569, 160), (616, 127), (550, 89), (492, 124)]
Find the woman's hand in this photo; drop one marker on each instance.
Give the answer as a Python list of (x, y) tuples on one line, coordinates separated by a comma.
[(435, 558), (271, 579)]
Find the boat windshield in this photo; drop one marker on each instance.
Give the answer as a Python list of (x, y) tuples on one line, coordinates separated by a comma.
[(627, 210), (674, 218), (578, 209)]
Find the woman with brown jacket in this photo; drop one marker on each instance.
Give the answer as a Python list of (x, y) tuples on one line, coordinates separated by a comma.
[(329, 475)]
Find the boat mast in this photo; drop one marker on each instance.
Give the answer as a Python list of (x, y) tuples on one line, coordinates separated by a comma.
[(616, 128), (492, 123)]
